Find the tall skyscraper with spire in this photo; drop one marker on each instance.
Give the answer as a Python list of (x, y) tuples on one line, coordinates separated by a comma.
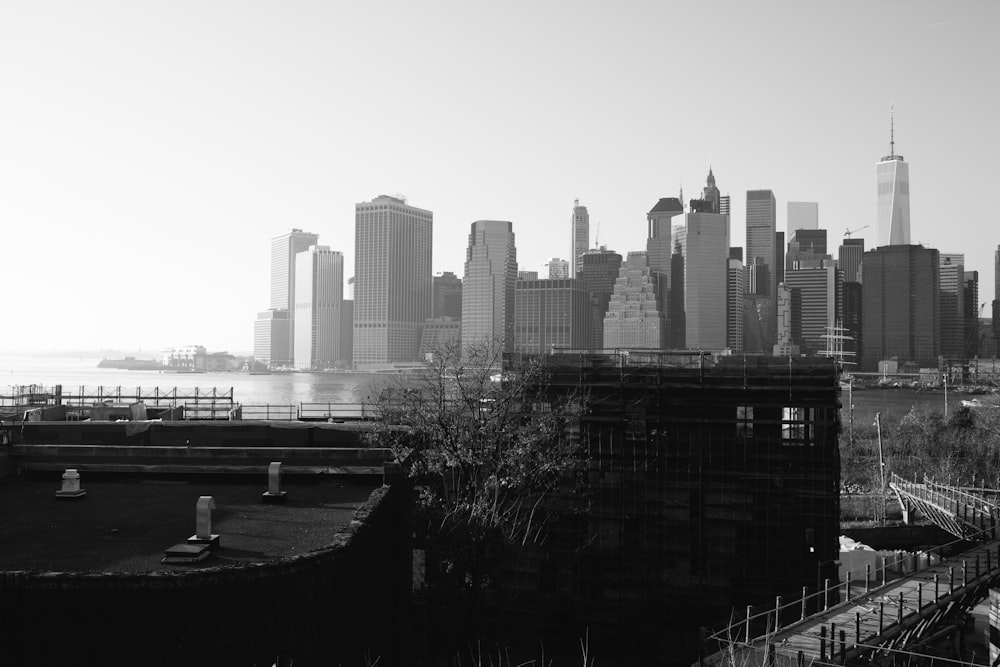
[(711, 194), (893, 176), (579, 238)]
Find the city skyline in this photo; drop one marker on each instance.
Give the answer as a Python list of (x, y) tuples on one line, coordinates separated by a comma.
[(142, 162)]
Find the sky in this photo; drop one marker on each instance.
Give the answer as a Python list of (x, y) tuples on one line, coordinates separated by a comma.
[(149, 151)]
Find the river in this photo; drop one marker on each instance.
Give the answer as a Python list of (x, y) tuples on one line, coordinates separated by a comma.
[(294, 388), (275, 389)]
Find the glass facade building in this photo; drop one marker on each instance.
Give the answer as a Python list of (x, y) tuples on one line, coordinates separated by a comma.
[(488, 286)]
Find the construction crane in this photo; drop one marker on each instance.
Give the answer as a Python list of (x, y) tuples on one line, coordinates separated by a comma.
[(855, 231)]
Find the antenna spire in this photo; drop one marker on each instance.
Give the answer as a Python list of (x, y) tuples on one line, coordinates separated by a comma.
[(892, 131)]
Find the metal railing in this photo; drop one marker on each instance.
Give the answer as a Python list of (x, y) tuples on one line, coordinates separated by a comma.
[(748, 629)]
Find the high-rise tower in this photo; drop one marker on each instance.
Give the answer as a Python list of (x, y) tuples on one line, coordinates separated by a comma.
[(761, 223), (704, 244), (579, 238), (893, 176), (900, 313), (488, 286), (392, 280), (710, 193), (276, 327), (658, 244), (319, 295)]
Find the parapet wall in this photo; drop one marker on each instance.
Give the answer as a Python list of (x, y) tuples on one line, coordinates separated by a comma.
[(344, 604), (196, 433)]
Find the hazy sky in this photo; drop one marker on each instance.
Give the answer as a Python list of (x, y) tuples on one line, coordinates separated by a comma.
[(149, 151)]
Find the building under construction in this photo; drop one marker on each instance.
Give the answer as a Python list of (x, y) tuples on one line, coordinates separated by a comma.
[(714, 484)]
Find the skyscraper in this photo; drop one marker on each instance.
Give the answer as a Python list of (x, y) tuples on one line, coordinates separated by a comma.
[(633, 319), (900, 314), (893, 177), (557, 269), (806, 248), (271, 346), (952, 307), (283, 251), (488, 286), (704, 243), (658, 244), (802, 215), (319, 294), (818, 307), (761, 222), (579, 237), (392, 280), (735, 289), (710, 194), (849, 259), (970, 294), (598, 275), (550, 314), (447, 296)]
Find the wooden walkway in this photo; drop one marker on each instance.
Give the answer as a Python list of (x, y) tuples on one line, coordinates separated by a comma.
[(898, 615)]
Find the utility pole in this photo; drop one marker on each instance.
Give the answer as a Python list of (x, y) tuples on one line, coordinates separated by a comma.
[(881, 462)]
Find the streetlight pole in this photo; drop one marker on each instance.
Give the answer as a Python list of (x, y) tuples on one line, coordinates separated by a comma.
[(881, 463)]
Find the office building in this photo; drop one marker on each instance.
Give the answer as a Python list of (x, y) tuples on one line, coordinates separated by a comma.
[(735, 288), (579, 237), (598, 274), (972, 307), (779, 257), (527, 275), (849, 259), (786, 333), (392, 280), (806, 248), (550, 315), (995, 320), (447, 296), (704, 244), (633, 319), (659, 247), (438, 335), (851, 318), (761, 237), (283, 251), (952, 306), (319, 293), (346, 355), (818, 307), (676, 323), (488, 286), (802, 215), (271, 346), (901, 317), (893, 178), (557, 269), (724, 205), (710, 194)]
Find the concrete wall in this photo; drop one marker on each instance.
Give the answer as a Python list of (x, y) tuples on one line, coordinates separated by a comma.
[(329, 607), (196, 433)]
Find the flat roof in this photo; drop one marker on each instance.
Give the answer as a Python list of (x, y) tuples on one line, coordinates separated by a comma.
[(125, 524)]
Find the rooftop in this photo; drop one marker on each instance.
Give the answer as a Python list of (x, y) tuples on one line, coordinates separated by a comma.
[(125, 524)]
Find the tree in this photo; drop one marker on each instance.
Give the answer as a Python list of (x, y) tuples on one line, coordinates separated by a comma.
[(486, 448), (494, 458)]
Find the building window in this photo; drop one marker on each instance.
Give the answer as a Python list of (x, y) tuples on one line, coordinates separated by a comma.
[(796, 426), (744, 421)]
